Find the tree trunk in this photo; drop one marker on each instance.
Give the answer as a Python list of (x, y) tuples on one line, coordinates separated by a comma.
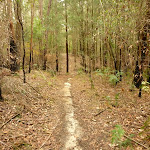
[(46, 38), (143, 50), (1, 98), (31, 40), (67, 52), (18, 26), (24, 50), (41, 38), (14, 65)]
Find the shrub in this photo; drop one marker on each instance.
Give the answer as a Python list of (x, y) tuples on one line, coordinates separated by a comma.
[(113, 79)]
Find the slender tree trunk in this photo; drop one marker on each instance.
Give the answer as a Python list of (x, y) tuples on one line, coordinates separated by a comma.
[(67, 52), (31, 40), (14, 65), (120, 63), (18, 11), (41, 38), (46, 37), (1, 98), (142, 50), (57, 66), (24, 50)]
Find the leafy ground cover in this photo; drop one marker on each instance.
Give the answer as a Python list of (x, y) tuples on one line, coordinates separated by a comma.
[(112, 116)]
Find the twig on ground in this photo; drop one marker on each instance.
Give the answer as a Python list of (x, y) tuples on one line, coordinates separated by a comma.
[(99, 112), (49, 135), (136, 142), (10, 120)]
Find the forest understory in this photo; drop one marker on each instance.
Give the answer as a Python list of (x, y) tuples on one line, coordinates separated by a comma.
[(32, 114), (74, 75)]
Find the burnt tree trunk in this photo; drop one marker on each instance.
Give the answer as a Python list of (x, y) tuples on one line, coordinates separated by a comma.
[(1, 98), (142, 50), (14, 65), (67, 51)]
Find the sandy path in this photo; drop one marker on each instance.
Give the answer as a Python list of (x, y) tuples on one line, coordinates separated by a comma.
[(73, 129)]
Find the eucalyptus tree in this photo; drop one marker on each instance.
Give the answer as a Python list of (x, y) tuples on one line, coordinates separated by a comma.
[(31, 40), (143, 48)]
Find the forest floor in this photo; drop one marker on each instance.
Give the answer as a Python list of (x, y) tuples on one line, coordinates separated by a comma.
[(63, 111)]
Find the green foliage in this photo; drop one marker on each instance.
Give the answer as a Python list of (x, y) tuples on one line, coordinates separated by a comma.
[(127, 142), (103, 72), (119, 73), (38, 29), (117, 134), (80, 71), (145, 86), (116, 99), (113, 79), (117, 137), (99, 72)]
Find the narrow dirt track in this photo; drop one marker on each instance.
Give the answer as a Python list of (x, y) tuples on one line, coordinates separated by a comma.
[(73, 130)]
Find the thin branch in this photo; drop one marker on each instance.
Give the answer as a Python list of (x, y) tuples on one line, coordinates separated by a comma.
[(9, 120), (99, 113), (49, 135), (136, 142)]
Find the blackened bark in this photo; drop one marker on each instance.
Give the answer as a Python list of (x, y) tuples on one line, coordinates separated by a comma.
[(143, 50), (24, 50), (148, 74), (67, 52), (120, 65), (1, 98), (14, 65), (45, 58), (57, 61), (137, 76)]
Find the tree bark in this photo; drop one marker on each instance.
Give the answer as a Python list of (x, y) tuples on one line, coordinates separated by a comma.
[(46, 38), (31, 40), (18, 11), (143, 50), (67, 52), (1, 98)]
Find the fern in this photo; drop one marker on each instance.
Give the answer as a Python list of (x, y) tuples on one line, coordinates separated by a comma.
[(113, 79), (117, 134)]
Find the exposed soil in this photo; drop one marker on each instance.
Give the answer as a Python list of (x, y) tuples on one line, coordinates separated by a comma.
[(50, 111)]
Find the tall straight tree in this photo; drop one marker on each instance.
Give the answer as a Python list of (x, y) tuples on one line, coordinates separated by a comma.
[(143, 49), (31, 40), (41, 24), (18, 11), (67, 51), (46, 35)]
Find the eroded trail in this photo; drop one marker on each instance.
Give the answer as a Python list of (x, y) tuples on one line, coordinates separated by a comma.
[(73, 130)]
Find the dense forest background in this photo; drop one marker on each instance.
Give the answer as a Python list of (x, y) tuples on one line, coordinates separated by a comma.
[(106, 40), (112, 34)]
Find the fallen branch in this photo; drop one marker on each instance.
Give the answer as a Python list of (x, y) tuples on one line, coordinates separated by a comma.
[(136, 142), (49, 135), (99, 113), (9, 120)]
